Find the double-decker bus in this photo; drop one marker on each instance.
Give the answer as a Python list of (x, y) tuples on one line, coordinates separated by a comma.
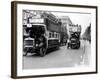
[(74, 36), (44, 33)]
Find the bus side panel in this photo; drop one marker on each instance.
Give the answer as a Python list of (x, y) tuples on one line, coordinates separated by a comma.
[(51, 26), (53, 43)]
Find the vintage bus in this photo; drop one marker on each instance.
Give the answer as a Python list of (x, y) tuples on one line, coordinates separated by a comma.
[(44, 33), (74, 38)]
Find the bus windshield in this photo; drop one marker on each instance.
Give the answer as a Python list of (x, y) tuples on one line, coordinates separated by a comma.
[(37, 30)]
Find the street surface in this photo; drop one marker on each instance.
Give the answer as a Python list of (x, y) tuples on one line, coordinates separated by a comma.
[(60, 58)]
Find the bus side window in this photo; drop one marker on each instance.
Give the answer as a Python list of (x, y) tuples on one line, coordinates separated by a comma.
[(50, 34), (58, 36), (55, 35)]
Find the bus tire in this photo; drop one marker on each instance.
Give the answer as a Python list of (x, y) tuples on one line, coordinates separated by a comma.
[(42, 51)]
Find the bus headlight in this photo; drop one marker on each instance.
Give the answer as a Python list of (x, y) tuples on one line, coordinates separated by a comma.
[(37, 45)]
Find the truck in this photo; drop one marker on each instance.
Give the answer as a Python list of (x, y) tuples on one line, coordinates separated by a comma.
[(44, 33), (74, 36)]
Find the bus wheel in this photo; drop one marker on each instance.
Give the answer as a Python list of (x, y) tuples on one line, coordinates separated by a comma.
[(42, 51)]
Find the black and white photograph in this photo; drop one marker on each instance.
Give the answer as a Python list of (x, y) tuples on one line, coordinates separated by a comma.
[(54, 39)]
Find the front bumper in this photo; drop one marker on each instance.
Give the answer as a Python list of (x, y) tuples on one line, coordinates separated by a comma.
[(31, 49)]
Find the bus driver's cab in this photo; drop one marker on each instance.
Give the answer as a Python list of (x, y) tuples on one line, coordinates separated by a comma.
[(36, 42)]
